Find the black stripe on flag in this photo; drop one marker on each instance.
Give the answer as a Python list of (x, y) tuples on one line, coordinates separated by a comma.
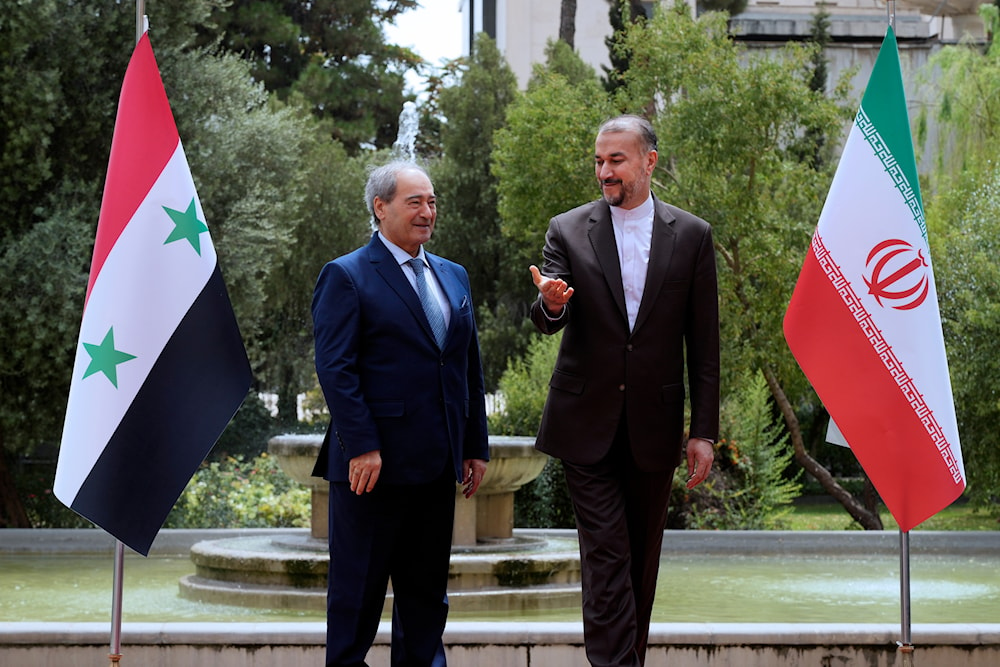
[(192, 391)]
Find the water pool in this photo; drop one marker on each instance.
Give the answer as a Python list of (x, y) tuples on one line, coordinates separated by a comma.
[(693, 588)]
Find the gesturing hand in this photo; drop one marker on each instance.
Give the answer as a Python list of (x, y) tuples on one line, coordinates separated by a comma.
[(554, 291)]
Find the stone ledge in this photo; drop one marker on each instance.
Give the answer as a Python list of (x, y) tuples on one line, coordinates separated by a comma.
[(506, 634), (748, 542)]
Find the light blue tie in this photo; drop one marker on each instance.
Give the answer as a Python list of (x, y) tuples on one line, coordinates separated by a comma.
[(431, 307)]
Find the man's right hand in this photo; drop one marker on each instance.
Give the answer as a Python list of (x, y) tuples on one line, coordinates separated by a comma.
[(555, 292), (363, 471)]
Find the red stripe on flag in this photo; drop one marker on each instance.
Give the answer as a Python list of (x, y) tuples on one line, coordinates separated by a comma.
[(891, 441), (145, 137)]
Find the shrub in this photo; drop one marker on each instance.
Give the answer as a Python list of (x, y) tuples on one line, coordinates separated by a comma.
[(747, 488), (237, 494), (543, 502)]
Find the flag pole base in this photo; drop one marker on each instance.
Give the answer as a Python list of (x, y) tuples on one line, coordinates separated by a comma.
[(115, 658), (906, 651)]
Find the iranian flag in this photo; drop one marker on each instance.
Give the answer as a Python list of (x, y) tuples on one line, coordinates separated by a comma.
[(863, 321), (160, 365)]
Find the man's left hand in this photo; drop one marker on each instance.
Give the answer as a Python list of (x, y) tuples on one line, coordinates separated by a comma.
[(700, 454)]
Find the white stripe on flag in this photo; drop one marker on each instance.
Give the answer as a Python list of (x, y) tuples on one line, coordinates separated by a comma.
[(857, 195), (143, 291)]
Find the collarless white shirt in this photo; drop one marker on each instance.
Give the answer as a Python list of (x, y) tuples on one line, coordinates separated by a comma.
[(403, 258), (633, 236)]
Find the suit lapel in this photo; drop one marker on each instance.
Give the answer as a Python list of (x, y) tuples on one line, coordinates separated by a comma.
[(392, 273), (661, 250), (602, 239)]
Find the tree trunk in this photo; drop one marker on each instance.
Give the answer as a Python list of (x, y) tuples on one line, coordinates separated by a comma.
[(12, 514), (871, 498), (567, 22), (288, 398), (869, 519)]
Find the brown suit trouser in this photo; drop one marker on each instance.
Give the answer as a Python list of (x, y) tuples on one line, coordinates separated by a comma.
[(621, 513)]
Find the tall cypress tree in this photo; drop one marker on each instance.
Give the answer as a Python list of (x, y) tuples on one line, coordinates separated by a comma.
[(621, 13)]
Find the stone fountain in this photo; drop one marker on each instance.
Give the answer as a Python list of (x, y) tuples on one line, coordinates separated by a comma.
[(492, 568)]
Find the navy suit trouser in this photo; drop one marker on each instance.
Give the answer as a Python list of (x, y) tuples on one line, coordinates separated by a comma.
[(400, 533)]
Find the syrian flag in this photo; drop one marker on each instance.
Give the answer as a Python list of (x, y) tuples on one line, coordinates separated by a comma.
[(160, 366), (863, 321)]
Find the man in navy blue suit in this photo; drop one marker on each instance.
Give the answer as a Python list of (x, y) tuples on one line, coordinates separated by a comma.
[(401, 373)]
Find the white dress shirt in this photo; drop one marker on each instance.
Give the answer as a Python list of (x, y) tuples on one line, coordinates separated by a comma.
[(633, 234), (403, 258)]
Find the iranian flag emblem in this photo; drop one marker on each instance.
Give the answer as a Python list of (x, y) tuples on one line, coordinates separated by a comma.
[(863, 321)]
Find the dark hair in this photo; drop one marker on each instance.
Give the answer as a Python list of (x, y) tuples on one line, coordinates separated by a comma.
[(637, 125)]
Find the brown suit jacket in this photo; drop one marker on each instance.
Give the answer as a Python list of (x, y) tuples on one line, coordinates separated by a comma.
[(604, 369)]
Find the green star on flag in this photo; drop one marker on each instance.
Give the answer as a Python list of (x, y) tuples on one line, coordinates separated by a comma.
[(104, 358), (186, 226)]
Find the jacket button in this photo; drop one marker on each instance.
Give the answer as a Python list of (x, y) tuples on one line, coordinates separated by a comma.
[(621, 387), (629, 347)]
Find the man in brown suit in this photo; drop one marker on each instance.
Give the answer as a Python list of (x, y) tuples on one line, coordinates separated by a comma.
[(631, 282)]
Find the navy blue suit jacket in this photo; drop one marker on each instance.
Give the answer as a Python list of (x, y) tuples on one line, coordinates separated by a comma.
[(387, 384)]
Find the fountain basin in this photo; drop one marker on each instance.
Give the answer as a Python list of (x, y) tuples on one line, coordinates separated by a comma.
[(490, 568), (487, 518)]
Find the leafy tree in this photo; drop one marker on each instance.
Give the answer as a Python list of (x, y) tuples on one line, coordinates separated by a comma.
[(543, 157), (244, 154), (58, 109), (468, 227), (620, 13), (964, 230), (55, 135), (241, 151), (43, 277), (330, 55), (966, 91), (731, 7), (964, 224), (541, 161), (331, 219), (747, 488), (765, 493), (544, 502), (524, 386), (730, 129), (814, 144)]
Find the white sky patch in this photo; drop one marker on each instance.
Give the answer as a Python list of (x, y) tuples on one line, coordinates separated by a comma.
[(433, 30)]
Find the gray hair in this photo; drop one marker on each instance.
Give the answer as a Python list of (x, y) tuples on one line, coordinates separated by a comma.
[(636, 125), (382, 184)]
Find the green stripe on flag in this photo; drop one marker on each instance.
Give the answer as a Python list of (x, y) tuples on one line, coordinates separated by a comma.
[(884, 121)]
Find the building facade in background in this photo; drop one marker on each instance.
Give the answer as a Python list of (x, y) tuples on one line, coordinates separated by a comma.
[(522, 28)]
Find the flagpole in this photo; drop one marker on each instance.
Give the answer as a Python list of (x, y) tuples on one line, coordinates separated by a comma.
[(116, 605), (140, 19), (115, 654), (905, 647)]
